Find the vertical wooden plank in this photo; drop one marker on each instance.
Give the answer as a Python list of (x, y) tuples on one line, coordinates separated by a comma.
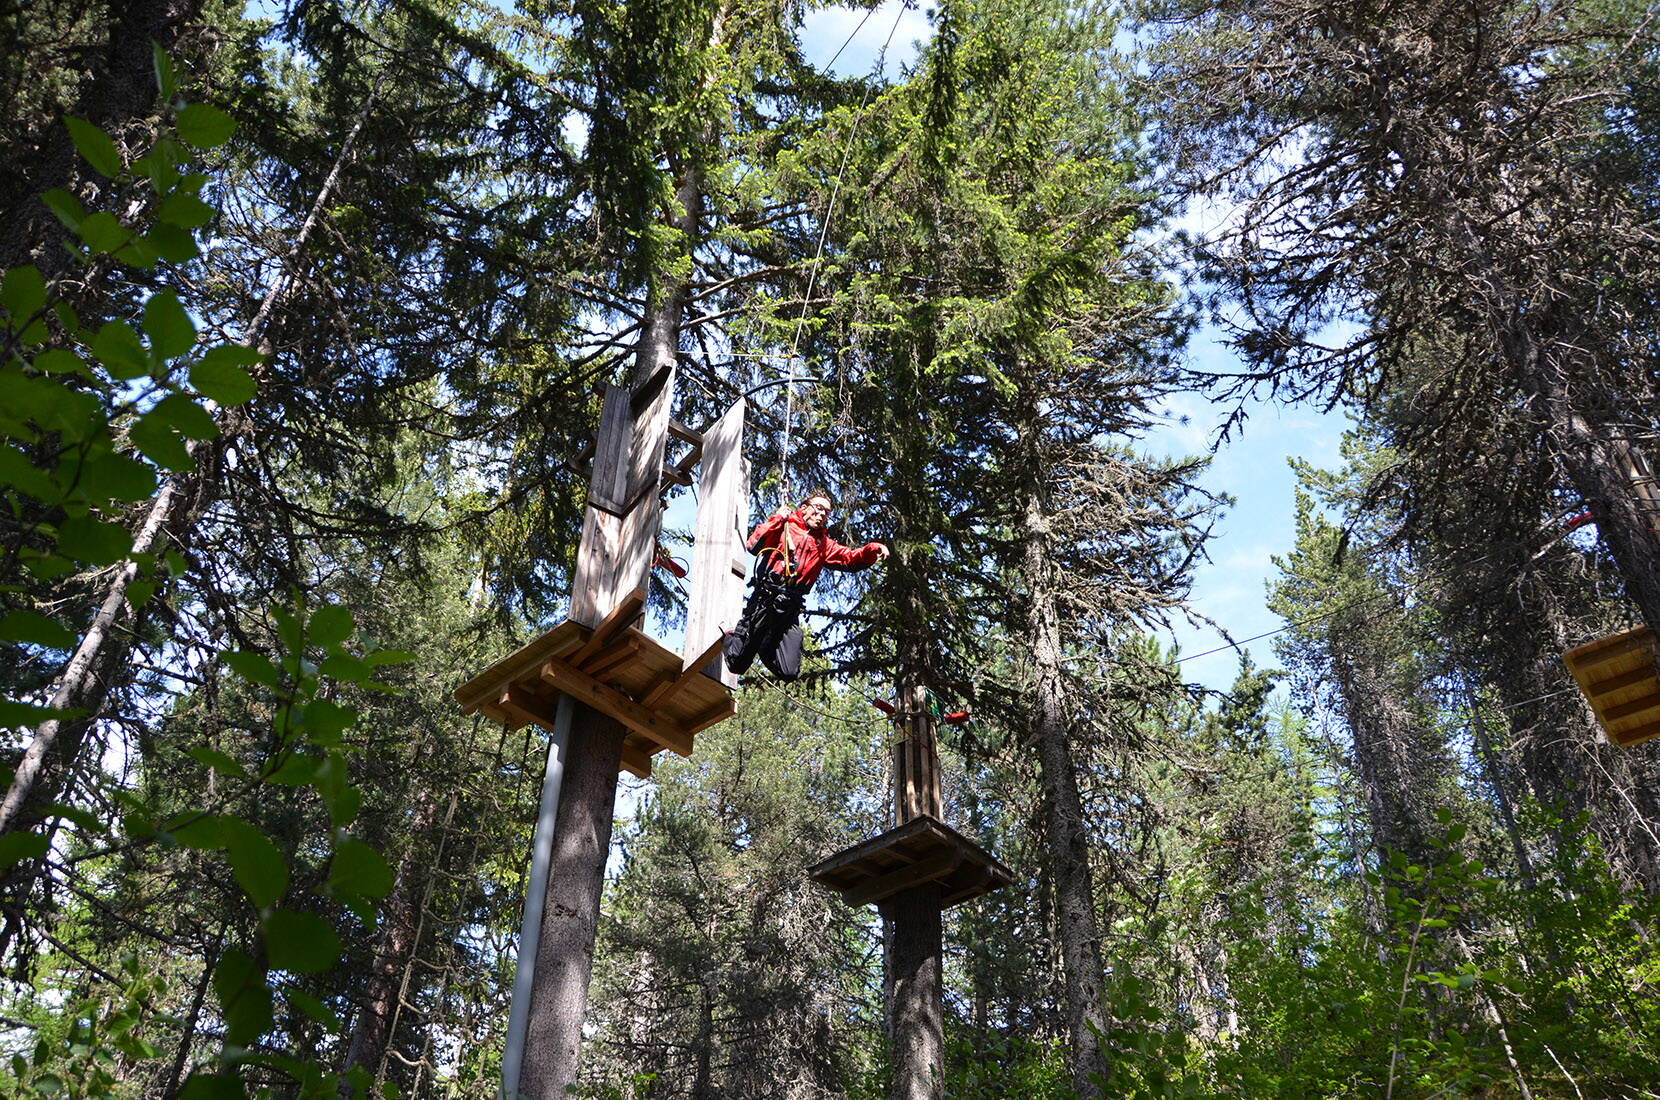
[(651, 403), (716, 598), (608, 485)]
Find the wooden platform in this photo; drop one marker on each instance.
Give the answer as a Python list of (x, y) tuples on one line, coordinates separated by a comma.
[(921, 850), (614, 668), (1620, 676)]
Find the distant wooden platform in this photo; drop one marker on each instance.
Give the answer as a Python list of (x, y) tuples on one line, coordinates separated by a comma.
[(1620, 677), (614, 668), (921, 850)]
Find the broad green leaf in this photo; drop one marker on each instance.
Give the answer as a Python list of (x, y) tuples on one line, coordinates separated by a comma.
[(81, 816), (218, 761), (94, 541), (180, 412), (102, 233), (256, 863), (117, 477), (66, 206), (334, 784), (359, 869), (326, 720), (184, 211), (253, 667), (343, 666), (197, 830), (312, 1008), (19, 846), (60, 361), (389, 657), (35, 629), (244, 998), (172, 244), (301, 943), (48, 567), (157, 441), (169, 327), (167, 77), (203, 1085), (219, 375), (330, 625), (139, 593), (296, 770), (95, 145), (23, 293), (203, 126), (118, 347), (138, 253), (19, 473)]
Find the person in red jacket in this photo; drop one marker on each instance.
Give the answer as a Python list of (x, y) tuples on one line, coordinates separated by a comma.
[(792, 547)]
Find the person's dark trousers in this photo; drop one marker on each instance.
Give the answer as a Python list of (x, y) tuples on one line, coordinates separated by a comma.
[(770, 628)]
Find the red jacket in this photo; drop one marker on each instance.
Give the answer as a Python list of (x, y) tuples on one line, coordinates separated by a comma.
[(809, 551)]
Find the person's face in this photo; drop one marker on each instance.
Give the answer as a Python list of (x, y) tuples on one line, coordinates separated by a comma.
[(816, 511)]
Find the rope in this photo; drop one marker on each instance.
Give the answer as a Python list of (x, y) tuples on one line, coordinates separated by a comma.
[(824, 233)]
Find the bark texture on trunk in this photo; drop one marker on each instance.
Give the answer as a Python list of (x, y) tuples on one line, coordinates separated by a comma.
[(565, 954), (916, 1017), (1066, 834)]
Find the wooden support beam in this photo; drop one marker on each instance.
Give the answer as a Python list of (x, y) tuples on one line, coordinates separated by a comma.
[(681, 432), (1616, 683), (1632, 642), (617, 653), (902, 878), (1632, 736), (603, 697), (677, 475), (609, 627), (720, 712), (636, 760), (523, 708), (1636, 706), (669, 685)]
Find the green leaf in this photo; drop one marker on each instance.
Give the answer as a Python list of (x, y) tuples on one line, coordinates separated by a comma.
[(95, 145), (343, 666), (256, 863), (173, 244), (19, 846), (86, 819), (156, 440), (219, 374), (326, 720), (203, 1085), (301, 943), (333, 783), (169, 327), (218, 761), (167, 77), (102, 233), (197, 830), (180, 412), (19, 473), (205, 127), (184, 211), (389, 657), (14, 715), (60, 361), (330, 625), (33, 629), (359, 869), (296, 770), (139, 593), (253, 667), (312, 1008), (244, 998), (118, 347), (23, 293), (94, 541), (117, 477), (66, 206)]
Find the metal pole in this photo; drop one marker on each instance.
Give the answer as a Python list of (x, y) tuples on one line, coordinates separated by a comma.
[(536, 893)]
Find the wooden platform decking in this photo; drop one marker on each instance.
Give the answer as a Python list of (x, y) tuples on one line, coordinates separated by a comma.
[(614, 668), (1620, 677), (921, 850)]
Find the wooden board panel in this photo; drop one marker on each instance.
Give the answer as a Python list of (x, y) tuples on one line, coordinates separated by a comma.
[(717, 589), (613, 557), (482, 689), (608, 483), (650, 402), (921, 850), (1620, 679), (585, 689)]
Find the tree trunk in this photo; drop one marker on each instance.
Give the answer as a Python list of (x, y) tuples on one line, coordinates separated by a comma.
[(565, 953), (916, 1024), (1066, 833)]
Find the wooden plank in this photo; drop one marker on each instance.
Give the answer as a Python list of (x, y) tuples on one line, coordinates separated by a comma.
[(618, 652), (676, 475), (608, 484), (651, 404), (585, 689), (1638, 733), (716, 598), (685, 434), (616, 620), (636, 761), (670, 684), (1635, 706), (1607, 649), (523, 661), (720, 712), (925, 870), (525, 708), (1597, 689)]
